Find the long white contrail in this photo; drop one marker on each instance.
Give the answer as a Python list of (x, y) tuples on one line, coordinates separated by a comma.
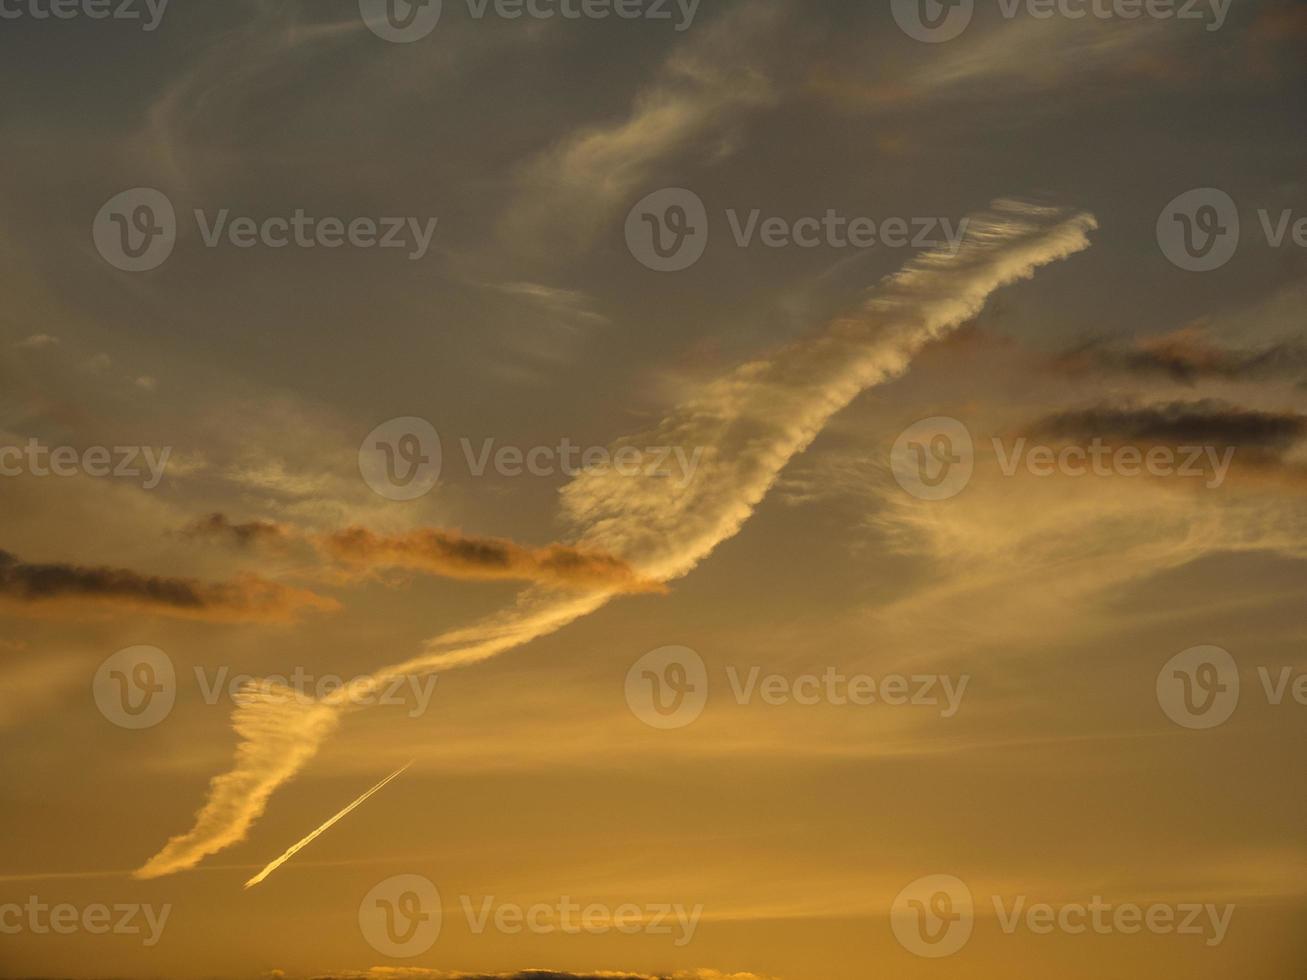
[(304, 842), (748, 425)]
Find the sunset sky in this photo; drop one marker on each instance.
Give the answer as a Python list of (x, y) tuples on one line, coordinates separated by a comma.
[(689, 560)]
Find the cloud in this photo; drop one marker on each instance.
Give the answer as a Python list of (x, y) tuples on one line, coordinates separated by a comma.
[(1206, 422), (565, 304), (449, 553), (278, 737), (1010, 58), (750, 423), (247, 598), (421, 973), (217, 527), (1186, 356), (706, 82), (436, 551)]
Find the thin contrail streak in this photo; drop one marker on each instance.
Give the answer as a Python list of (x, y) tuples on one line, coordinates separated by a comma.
[(304, 842)]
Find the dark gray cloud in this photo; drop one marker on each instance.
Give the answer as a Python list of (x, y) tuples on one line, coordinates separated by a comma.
[(1187, 356), (421, 974), (218, 527), (247, 598), (452, 554), (1205, 422)]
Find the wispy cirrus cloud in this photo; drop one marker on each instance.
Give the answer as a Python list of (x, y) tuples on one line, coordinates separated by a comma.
[(706, 82)]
